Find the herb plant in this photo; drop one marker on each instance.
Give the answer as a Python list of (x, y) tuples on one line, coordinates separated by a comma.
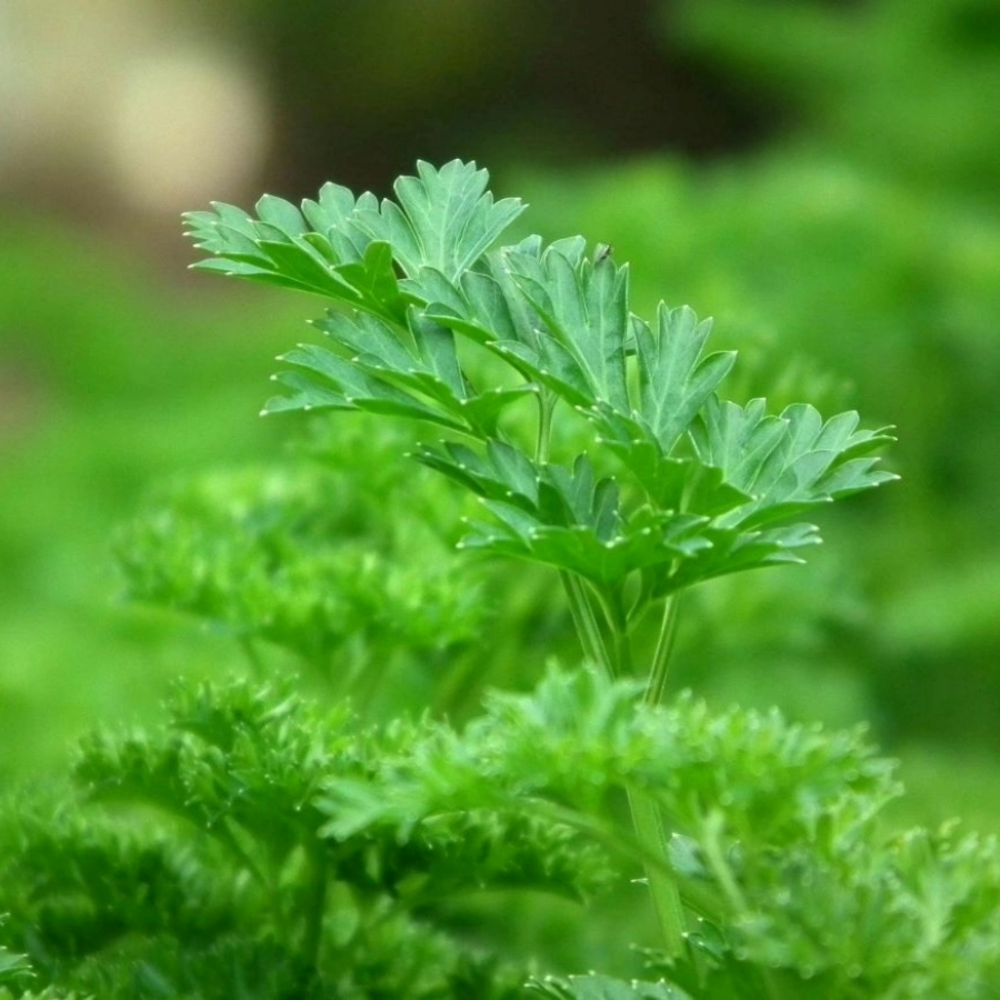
[(701, 486), (296, 850)]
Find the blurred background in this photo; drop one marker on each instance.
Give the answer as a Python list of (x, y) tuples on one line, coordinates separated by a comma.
[(820, 176)]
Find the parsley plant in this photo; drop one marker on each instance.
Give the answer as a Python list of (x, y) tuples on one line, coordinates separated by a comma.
[(683, 486), (260, 844)]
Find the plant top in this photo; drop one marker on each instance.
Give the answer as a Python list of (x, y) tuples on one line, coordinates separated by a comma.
[(700, 486)]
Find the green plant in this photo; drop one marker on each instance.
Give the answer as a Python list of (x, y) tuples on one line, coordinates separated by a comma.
[(700, 487), (263, 845)]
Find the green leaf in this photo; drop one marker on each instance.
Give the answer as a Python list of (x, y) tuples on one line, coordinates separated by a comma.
[(300, 263), (668, 481), (374, 280), (453, 217), (735, 550), (790, 463), (420, 375), (283, 215), (503, 473), (330, 214), (585, 309), (562, 517), (580, 548), (445, 219), (674, 381), (328, 380)]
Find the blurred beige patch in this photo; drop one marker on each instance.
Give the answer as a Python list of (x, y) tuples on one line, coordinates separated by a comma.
[(133, 95), (184, 127)]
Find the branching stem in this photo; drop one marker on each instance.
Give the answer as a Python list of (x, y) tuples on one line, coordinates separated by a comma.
[(616, 658)]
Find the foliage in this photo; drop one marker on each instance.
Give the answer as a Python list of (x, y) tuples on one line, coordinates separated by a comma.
[(225, 886), (264, 845), (707, 483), (112, 379), (890, 293), (268, 555), (276, 835), (777, 838)]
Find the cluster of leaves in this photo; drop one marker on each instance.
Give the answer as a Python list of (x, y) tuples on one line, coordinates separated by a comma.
[(673, 485), (259, 845), (778, 841), (702, 486), (286, 555), (196, 864)]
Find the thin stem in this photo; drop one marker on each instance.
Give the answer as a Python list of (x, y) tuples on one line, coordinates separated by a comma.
[(646, 813), (617, 659), (661, 656), (614, 612), (659, 872), (594, 646)]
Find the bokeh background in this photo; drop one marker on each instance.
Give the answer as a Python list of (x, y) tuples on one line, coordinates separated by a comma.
[(820, 176)]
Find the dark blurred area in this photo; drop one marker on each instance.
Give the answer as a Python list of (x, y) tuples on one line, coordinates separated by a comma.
[(557, 84), (820, 175)]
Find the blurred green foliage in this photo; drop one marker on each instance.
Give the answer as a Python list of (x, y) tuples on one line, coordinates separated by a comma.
[(906, 87), (120, 379), (135, 415)]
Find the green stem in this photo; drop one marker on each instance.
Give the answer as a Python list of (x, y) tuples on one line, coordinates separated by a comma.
[(616, 658), (621, 648), (594, 647), (661, 656), (659, 874), (646, 813), (646, 816)]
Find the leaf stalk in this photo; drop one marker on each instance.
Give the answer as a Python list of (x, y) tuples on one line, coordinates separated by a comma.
[(616, 658)]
